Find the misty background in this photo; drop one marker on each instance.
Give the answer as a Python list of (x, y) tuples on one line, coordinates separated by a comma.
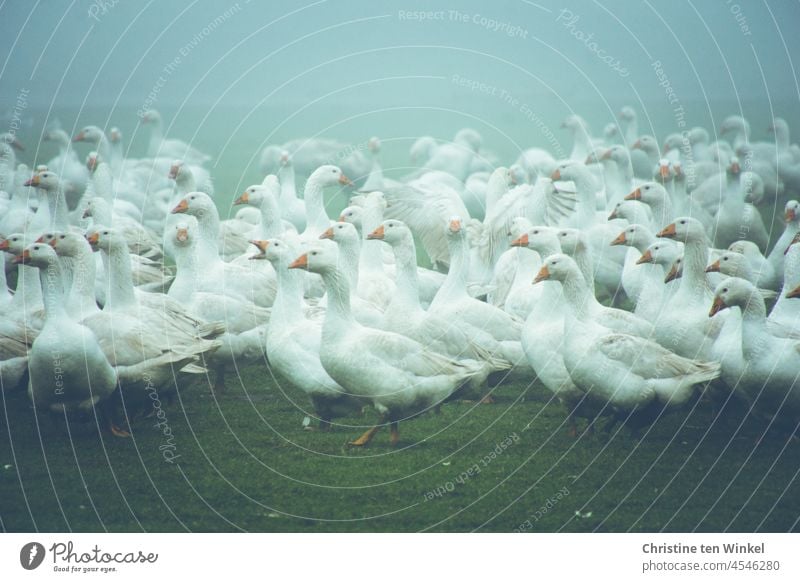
[(231, 77)]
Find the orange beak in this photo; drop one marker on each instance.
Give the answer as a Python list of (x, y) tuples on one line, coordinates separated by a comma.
[(34, 181), (455, 225), (345, 181), (93, 238), (80, 137), (663, 171), (23, 259), (4, 246), (793, 293), (522, 241), (590, 159), (53, 242), (713, 267), (672, 275), (606, 155), (377, 234), (790, 215), (637, 145), (556, 175), (40, 239), (182, 207), (735, 169), (243, 199), (543, 275), (668, 232), (182, 234), (300, 262), (173, 172), (717, 306), (620, 240), (327, 234), (647, 257), (635, 195), (261, 245), (613, 215)]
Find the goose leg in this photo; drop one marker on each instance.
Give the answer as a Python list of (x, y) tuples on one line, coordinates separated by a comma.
[(219, 379), (107, 412), (365, 438), (394, 434)]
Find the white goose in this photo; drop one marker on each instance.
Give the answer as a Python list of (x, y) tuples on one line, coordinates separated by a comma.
[(769, 376), (84, 377), (169, 148), (630, 373), (398, 375), (294, 341)]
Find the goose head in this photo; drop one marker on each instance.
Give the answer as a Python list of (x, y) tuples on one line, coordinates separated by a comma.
[(329, 175), (618, 154), (89, 134), (374, 145), (558, 267), (11, 139), (275, 250), (698, 135), (353, 215), (731, 264), (747, 248), (673, 141), (151, 116), (519, 226), (455, 230), (57, 136), (752, 186), (468, 138), (39, 255), (649, 193), (285, 159), (422, 149), (575, 123), (393, 232), (572, 240), (571, 171), (734, 124), (610, 131), (661, 252), (341, 233), (105, 238), (92, 161), (67, 244), (542, 239), (633, 234), (196, 204), (318, 259), (675, 270), (627, 114), (631, 210), (13, 244), (734, 292), (252, 196), (181, 233), (175, 169), (648, 144), (115, 135), (685, 229), (791, 212), (46, 180)]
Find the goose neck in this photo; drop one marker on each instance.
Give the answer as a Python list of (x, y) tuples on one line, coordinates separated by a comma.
[(120, 280)]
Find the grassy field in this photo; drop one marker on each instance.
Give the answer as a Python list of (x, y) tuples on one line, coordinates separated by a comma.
[(244, 462)]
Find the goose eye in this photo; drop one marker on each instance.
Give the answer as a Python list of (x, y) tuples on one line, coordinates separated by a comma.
[(683, 222), (724, 258), (535, 232), (314, 253), (725, 290)]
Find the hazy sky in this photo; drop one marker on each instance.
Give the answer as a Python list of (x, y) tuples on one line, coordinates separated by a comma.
[(481, 60), (105, 50)]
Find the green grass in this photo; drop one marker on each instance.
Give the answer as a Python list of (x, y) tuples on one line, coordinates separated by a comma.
[(246, 464)]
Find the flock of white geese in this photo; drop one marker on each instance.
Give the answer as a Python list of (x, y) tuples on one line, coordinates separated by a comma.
[(631, 279)]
